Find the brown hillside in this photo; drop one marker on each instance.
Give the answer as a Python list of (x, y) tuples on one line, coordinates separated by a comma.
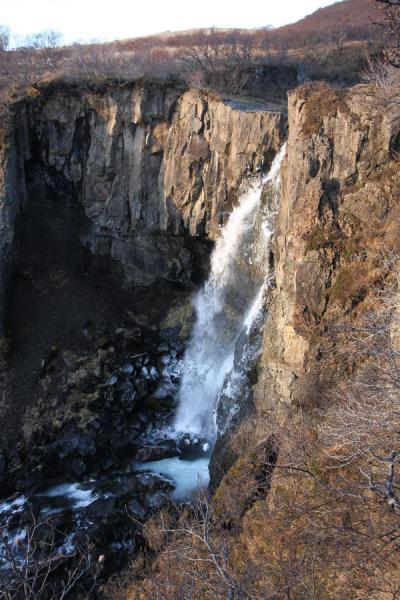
[(354, 18), (349, 19)]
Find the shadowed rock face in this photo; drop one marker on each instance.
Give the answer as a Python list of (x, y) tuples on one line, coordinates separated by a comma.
[(155, 169), (106, 189)]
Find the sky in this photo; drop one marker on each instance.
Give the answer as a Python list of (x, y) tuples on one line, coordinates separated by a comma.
[(87, 20)]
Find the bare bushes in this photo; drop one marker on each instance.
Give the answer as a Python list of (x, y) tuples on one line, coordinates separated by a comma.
[(364, 424), (217, 62), (383, 81), (40, 563), (190, 555), (382, 76), (337, 481)]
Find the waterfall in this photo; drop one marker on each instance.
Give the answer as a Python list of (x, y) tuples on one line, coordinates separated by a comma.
[(228, 304)]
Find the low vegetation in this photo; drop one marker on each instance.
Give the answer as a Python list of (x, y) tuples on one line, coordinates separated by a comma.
[(264, 62)]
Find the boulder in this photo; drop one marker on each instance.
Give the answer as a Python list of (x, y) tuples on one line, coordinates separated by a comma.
[(136, 509), (192, 447), (156, 500), (127, 395), (101, 509), (158, 450), (148, 482), (165, 390)]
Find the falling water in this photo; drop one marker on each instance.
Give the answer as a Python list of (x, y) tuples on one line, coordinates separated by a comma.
[(228, 303)]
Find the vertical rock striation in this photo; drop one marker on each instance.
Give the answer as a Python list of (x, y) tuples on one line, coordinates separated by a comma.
[(339, 213), (338, 208), (154, 167)]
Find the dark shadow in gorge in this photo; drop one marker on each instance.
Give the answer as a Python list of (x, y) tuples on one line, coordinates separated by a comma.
[(60, 290)]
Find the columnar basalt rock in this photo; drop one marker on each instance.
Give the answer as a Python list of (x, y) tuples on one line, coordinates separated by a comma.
[(153, 166)]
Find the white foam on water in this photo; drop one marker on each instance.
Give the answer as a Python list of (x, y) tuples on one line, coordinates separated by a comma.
[(254, 309), (15, 505), (77, 496), (188, 475)]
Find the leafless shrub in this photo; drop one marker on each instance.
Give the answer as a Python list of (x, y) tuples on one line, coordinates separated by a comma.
[(192, 560), (4, 38), (34, 565), (383, 81), (391, 27), (98, 61), (217, 63), (364, 424)]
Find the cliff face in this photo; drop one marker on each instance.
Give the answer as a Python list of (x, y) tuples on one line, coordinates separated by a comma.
[(338, 222), (104, 190), (338, 210), (155, 169), (147, 159)]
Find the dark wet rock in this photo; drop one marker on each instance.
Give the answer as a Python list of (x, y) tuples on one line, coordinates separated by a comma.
[(113, 380), (156, 501), (111, 397), (154, 374), (192, 447), (144, 372), (88, 382), (141, 388), (83, 444), (163, 347), (158, 450), (128, 369), (3, 465), (165, 390), (136, 509), (127, 395), (46, 363), (101, 508), (149, 482)]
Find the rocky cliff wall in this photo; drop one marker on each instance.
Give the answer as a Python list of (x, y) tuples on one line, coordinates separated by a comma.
[(339, 210), (338, 222), (155, 168), (338, 216), (103, 190)]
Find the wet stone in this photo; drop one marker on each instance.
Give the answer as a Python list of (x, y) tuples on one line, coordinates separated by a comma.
[(136, 509), (165, 389), (101, 508), (156, 501), (128, 369), (158, 450), (192, 447), (127, 395), (163, 347)]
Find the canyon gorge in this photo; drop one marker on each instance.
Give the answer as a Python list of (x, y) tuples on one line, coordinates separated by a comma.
[(154, 236)]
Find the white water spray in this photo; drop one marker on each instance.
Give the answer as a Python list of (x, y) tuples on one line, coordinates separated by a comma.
[(227, 304)]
